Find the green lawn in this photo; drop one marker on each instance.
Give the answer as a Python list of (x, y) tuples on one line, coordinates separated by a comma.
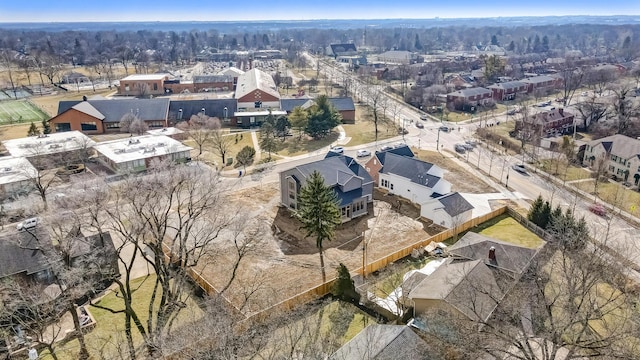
[(209, 156), (108, 334), (20, 111), (363, 132), (507, 229), (564, 172), (391, 278), (614, 194), (293, 146)]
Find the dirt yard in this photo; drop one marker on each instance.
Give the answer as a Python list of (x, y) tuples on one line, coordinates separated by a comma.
[(282, 263), (461, 180)]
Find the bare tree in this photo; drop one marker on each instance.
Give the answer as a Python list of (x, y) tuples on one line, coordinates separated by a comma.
[(201, 129), (170, 219), (625, 109), (221, 143), (138, 127), (6, 59)]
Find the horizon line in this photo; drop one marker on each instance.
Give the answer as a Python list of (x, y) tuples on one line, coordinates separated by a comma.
[(318, 19)]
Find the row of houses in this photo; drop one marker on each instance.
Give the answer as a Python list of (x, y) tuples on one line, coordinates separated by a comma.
[(395, 171), (503, 91), (256, 97)]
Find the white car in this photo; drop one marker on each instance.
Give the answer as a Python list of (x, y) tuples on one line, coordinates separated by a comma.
[(337, 149), (27, 224), (363, 153)]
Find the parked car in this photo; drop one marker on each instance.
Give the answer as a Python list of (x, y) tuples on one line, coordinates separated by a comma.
[(402, 131), (337, 149), (423, 117), (386, 147), (467, 147), (444, 128), (598, 209), (519, 168), (460, 148), (27, 224), (473, 143), (363, 153), (419, 125)]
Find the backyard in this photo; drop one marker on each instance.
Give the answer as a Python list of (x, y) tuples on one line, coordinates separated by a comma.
[(506, 228)]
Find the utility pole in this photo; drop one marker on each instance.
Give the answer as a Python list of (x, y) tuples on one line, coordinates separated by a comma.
[(507, 183), (438, 141)]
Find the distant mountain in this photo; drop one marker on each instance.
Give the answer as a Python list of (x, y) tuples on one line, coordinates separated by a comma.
[(253, 26)]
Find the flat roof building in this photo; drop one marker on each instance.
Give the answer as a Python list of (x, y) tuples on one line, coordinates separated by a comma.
[(15, 175), (51, 150), (136, 153)]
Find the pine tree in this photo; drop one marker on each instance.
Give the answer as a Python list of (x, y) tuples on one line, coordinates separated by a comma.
[(33, 130), (318, 211), (535, 210), (344, 288), (46, 128)]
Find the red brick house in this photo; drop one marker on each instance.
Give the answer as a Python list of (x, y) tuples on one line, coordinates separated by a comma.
[(472, 96), (545, 123), (508, 90), (143, 84)]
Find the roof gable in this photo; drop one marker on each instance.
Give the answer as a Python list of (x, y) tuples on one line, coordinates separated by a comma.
[(19, 253), (454, 204), (381, 342), (113, 110), (619, 145), (86, 108), (415, 170), (510, 257)]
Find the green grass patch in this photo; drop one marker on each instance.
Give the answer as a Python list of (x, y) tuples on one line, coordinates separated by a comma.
[(613, 193), (209, 156), (507, 229), (20, 111), (560, 169), (293, 145), (108, 335), (364, 132), (392, 278)]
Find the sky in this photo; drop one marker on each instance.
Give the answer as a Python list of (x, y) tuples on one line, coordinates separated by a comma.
[(221, 10)]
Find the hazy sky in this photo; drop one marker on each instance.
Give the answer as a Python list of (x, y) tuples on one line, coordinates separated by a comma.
[(214, 10)]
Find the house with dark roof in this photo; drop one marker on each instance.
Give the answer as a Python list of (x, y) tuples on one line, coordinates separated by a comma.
[(474, 279), (502, 255), (348, 179), (620, 154), (100, 116), (469, 97), (551, 122), (449, 210), (467, 289), (399, 173), (383, 342), (343, 49), (21, 257), (541, 82), (344, 105), (504, 91), (183, 110)]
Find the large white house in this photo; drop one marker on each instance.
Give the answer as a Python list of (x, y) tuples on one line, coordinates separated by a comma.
[(618, 155), (415, 180), (15, 176)]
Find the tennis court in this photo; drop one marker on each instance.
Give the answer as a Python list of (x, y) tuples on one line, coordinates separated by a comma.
[(20, 111)]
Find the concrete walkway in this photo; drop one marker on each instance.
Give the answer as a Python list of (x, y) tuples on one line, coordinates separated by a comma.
[(256, 146)]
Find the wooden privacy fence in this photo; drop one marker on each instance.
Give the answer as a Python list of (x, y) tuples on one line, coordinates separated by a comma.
[(325, 288)]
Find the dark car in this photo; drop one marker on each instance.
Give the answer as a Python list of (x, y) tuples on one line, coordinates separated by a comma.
[(519, 168), (444, 128), (460, 148)]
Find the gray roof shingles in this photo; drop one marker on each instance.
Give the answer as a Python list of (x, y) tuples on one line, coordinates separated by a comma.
[(455, 204), (114, 109), (413, 169)]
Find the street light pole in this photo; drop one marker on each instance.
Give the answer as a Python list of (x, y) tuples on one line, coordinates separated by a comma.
[(507, 182), (438, 141)]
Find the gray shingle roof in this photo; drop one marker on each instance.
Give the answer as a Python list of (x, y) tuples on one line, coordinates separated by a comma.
[(470, 92), (340, 103), (204, 79), (538, 79), (468, 286), (336, 169), (382, 342), (343, 48), (213, 107), (403, 150), (509, 256), (455, 204), (19, 253), (114, 109), (413, 169), (507, 85), (619, 145)]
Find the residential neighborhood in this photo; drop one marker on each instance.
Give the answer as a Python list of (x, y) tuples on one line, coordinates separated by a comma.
[(386, 188)]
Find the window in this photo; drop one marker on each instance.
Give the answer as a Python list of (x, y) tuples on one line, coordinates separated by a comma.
[(358, 206), (391, 186), (126, 87), (155, 86), (62, 127), (113, 125), (384, 183), (88, 126), (611, 168)]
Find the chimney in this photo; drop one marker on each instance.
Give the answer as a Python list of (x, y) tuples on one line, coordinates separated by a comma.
[(492, 255)]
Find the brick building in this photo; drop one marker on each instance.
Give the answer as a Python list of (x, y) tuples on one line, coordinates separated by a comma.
[(143, 84)]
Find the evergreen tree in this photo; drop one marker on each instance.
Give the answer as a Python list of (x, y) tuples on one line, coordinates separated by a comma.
[(299, 119), (494, 40), (535, 210), (418, 44), (344, 288), (33, 130), (322, 118), (318, 211), (46, 128), (545, 215), (268, 135), (282, 126)]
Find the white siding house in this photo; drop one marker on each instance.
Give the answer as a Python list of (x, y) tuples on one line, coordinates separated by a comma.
[(449, 210), (412, 179)]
